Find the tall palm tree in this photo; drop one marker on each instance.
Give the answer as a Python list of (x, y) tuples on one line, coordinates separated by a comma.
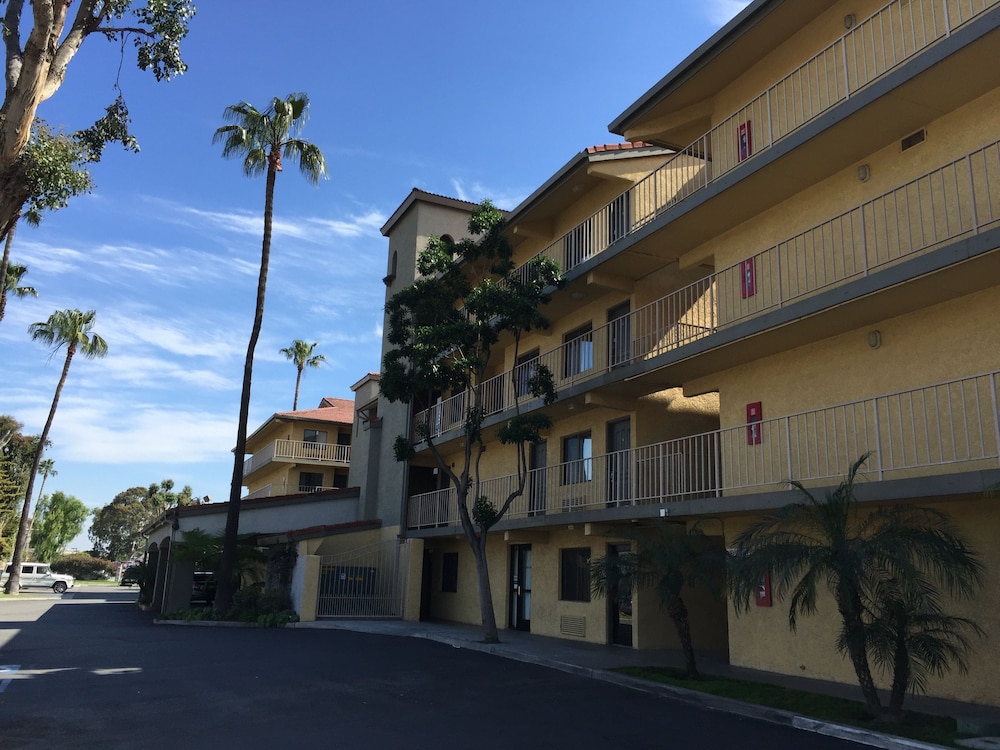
[(12, 285), (46, 467), (74, 330), (666, 559), (302, 355), (262, 140), (829, 541)]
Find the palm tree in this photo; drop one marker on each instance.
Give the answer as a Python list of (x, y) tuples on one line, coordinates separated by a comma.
[(46, 468), (667, 559), (804, 545), (12, 285), (911, 638), (302, 355), (74, 330), (261, 139)]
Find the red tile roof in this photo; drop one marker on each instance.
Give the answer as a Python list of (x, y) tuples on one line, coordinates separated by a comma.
[(340, 410)]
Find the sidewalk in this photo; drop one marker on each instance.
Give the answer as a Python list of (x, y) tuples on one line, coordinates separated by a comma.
[(596, 661)]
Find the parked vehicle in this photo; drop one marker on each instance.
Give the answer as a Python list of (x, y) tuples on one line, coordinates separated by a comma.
[(203, 587), (40, 575), (132, 576)]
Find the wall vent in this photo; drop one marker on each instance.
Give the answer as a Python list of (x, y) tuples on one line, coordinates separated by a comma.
[(912, 140), (573, 625)]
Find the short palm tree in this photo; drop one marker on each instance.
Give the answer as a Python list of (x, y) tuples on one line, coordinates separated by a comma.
[(911, 637), (12, 285), (46, 468), (64, 328), (262, 140), (803, 546), (302, 355), (666, 559)]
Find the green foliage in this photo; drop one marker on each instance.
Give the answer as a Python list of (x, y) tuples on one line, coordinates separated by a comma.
[(58, 518), (84, 567), (54, 167), (893, 550), (484, 513), (111, 128), (250, 605), (116, 530)]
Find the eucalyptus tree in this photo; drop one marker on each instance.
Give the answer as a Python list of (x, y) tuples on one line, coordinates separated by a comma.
[(442, 328), (301, 354), (58, 518), (73, 330), (830, 542), (39, 49), (263, 140)]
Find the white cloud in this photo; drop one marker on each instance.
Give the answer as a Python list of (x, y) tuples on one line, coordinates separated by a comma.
[(477, 193)]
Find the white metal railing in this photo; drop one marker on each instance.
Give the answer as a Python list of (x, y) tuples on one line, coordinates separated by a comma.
[(953, 424), (897, 32), (264, 491), (958, 199), (298, 450)]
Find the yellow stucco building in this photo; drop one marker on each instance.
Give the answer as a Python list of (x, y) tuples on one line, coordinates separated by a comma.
[(791, 261)]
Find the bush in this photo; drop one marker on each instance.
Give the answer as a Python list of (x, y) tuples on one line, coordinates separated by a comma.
[(84, 567)]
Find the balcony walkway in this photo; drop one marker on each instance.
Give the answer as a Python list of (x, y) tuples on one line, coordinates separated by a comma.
[(596, 661)]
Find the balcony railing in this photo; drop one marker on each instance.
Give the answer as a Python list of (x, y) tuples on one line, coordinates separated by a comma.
[(264, 491), (897, 32), (959, 199), (949, 426), (297, 451)]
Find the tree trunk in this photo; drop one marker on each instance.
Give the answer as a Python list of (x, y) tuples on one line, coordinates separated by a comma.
[(900, 679), (679, 614), (490, 633), (14, 582), (855, 628), (298, 379), (227, 563), (8, 241)]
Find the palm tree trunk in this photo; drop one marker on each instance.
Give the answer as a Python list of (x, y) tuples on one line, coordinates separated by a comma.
[(855, 637), (227, 563), (900, 679), (3, 267), (14, 581), (298, 379), (679, 614)]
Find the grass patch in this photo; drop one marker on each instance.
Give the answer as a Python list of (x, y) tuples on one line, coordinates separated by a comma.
[(940, 730)]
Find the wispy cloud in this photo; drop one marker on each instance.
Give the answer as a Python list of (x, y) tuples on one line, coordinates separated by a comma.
[(477, 193)]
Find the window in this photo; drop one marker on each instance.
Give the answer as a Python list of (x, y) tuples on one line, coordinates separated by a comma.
[(449, 573), (574, 574), (578, 346), (314, 436), (310, 481), (577, 453), (524, 371)]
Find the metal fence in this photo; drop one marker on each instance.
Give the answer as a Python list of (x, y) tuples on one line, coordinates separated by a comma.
[(366, 582)]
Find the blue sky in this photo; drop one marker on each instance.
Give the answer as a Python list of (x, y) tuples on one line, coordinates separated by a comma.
[(455, 98)]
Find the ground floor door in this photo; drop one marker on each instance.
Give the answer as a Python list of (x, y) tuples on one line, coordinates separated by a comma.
[(520, 587), (620, 604)]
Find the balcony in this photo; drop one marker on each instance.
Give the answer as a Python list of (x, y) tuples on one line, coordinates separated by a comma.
[(898, 32), (298, 452), (958, 200), (943, 428)]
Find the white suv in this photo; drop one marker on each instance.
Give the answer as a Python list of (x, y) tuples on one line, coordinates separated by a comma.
[(39, 575)]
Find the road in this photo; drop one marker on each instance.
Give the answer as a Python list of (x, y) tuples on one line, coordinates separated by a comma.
[(89, 670)]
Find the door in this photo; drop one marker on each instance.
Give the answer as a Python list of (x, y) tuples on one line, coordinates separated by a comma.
[(536, 480), (619, 443), (620, 603), (619, 335), (520, 587)]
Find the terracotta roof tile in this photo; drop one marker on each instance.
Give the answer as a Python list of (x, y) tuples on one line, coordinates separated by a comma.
[(617, 147)]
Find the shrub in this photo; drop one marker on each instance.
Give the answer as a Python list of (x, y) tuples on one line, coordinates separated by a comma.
[(84, 567)]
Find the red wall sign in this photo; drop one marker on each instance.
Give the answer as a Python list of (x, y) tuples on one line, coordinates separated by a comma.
[(763, 598), (744, 139), (754, 416), (748, 278)]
